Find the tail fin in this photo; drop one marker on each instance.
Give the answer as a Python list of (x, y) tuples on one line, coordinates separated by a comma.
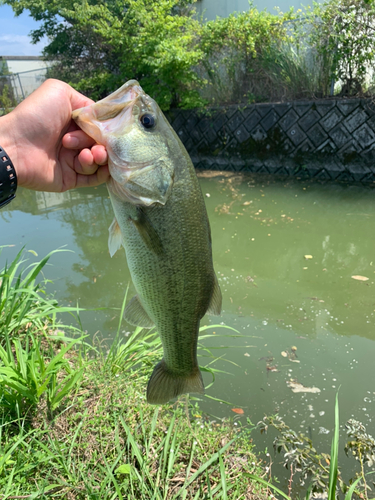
[(164, 385)]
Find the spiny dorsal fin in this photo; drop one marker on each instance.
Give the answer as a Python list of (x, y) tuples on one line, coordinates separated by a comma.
[(115, 237), (136, 315), (147, 232), (216, 299)]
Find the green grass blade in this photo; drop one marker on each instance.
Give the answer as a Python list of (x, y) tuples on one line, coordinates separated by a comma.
[(333, 468), (266, 483), (223, 478), (350, 491)]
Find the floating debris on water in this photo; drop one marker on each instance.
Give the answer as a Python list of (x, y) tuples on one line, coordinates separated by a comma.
[(323, 430), (297, 387), (360, 278)]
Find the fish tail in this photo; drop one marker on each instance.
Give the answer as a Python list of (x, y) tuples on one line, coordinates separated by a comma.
[(165, 385)]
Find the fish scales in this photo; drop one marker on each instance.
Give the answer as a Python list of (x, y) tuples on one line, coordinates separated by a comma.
[(161, 220)]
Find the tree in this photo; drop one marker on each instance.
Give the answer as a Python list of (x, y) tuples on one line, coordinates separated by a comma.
[(98, 45), (345, 31)]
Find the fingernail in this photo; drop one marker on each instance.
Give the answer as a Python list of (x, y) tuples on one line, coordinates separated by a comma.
[(73, 141)]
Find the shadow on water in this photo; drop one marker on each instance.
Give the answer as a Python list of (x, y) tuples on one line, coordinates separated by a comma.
[(285, 252)]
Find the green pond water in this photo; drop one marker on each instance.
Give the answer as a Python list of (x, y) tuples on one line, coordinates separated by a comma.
[(276, 299)]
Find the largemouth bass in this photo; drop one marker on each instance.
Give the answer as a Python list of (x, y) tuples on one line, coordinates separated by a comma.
[(161, 220)]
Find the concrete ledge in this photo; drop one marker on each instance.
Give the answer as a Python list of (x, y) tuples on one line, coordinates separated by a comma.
[(324, 139)]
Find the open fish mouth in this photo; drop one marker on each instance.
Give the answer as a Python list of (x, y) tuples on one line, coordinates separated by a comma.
[(110, 106), (116, 113)]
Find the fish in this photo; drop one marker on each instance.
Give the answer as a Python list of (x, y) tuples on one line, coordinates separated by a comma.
[(161, 220)]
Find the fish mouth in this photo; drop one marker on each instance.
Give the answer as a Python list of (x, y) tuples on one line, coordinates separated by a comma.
[(107, 114)]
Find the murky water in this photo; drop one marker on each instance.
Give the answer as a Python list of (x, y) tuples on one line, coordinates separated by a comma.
[(277, 298)]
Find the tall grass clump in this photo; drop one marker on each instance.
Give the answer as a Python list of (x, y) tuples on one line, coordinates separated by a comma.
[(34, 351), (234, 50)]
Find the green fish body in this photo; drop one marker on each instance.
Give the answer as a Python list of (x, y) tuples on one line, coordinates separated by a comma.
[(161, 220)]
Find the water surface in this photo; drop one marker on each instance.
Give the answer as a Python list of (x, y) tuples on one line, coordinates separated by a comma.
[(275, 296)]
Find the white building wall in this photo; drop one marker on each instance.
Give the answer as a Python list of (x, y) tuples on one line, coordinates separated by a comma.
[(19, 64)]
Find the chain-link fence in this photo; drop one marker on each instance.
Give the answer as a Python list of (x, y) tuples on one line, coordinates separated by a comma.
[(20, 85)]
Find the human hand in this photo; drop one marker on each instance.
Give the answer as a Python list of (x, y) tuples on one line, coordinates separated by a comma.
[(48, 150)]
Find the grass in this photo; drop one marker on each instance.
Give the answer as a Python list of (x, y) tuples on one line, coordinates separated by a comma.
[(74, 421), (106, 442)]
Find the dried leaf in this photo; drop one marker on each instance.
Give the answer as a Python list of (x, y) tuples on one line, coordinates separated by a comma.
[(360, 278), (238, 410)]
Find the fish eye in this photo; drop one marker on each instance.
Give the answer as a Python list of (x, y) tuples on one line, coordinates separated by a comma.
[(147, 120)]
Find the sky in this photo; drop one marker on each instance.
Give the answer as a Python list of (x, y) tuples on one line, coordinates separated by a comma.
[(14, 39)]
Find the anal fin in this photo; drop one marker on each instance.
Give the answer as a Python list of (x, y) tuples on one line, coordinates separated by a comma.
[(164, 385), (136, 315), (216, 299)]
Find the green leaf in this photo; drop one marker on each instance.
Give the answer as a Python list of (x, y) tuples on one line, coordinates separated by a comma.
[(124, 469)]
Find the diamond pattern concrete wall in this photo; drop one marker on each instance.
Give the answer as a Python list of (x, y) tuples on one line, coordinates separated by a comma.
[(325, 139)]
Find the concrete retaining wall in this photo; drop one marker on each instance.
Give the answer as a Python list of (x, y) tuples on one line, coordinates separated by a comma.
[(325, 139)]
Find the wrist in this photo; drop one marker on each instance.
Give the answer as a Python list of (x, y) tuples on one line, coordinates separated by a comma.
[(8, 177), (8, 140)]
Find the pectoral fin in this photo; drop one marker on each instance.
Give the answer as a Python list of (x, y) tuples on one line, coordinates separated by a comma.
[(136, 315), (115, 237), (147, 232), (216, 299)]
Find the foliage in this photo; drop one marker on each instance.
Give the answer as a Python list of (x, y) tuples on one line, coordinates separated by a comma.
[(250, 56), (23, 303), (320, 470), (299, 454), (362, 447), (29, 372), (297, 71), (100, 45), (343, 31), (33, 352), (7, 101), (235, 48)]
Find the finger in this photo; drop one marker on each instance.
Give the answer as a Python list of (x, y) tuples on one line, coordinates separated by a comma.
[(99, 154), (99, 177), (77, 139), (84, 163)]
